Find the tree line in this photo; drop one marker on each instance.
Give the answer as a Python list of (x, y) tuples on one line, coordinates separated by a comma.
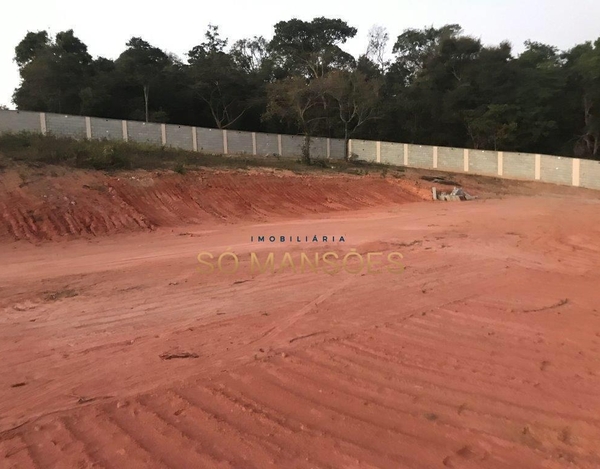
[(439, 86)]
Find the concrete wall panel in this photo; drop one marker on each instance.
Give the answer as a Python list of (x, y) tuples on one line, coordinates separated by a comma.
[(519, 165), (106, 129), (483, 162), (239, 142), (19, 121), (392, 153), (420, 156), (318, 147), (364, 149), (291, 146), (66, 126), (180, 136), (266, 144), (338, 149), (144, 132), (590, 174), (450, 159), (556, 169), (209, 140)]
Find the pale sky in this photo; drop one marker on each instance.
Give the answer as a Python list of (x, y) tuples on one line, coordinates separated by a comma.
[(176, 25)]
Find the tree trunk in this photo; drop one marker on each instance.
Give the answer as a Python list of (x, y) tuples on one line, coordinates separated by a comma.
[(347, 154), (306, 149), (146, 95)]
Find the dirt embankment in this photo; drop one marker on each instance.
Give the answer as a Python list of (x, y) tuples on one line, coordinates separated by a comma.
[(48, 205)]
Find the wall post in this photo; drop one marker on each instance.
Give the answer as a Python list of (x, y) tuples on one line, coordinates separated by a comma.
[(576, 171), (254, 143), (378, 147), (466, 160), (88, 128), (406, 154), (435, 157), (225, 141), (279, 145), (125, 131), (328, 148), (194, 139), (538, 167), (500, 163), (163, 133), (43, 123)]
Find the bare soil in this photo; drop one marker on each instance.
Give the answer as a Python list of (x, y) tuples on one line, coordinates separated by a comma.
[(117, 352)]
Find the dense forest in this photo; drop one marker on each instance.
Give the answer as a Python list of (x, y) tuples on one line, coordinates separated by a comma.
[(439, 86)]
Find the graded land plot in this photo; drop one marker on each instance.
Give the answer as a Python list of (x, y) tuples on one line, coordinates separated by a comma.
[(484, 351)]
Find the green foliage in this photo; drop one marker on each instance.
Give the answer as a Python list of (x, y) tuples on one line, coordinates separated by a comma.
[(439, 86), (311, 48), (179, 168)]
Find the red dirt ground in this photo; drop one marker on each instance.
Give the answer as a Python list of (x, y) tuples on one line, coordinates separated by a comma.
[(483, 353)]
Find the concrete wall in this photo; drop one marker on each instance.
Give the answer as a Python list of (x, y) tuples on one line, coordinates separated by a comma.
[(179, 136), (450, 159), (420, 156), (318, 147), (210, 140), (364, 149), (392, 153), (338, 148), (589, 175), (266, 144), (518, 165), (19, 121), (144, 132), (291, 145), (483, 162), (239, 142), (546, 168), (556, 169), (66, 126), (109, 129)]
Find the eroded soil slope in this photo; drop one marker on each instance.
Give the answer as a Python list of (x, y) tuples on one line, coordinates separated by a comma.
[(50, 205)]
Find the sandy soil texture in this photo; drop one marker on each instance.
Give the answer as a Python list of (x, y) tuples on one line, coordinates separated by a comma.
[(117, 352)]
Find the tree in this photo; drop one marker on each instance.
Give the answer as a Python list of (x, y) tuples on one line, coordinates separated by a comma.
[(588, 67), (53, 72), (250, 55), (298, 102), (222, 85), (311, 48), (414, 48), (31, 46), (494, 127), (441, 87), (376, 50), (143, 64), (355, 98)]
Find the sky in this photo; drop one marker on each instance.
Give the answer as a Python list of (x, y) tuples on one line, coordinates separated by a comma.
[(177, 25)]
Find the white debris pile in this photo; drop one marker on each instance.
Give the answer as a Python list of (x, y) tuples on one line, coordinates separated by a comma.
[(456, 194)]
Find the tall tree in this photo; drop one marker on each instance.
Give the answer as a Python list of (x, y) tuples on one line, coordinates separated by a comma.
[(311, 48), (377, 47), (53, 72), (143, 64), (588, 68), (355, 99), (218, 81), (296, 101)]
